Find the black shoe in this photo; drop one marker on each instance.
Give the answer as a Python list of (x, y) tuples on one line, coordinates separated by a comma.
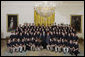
[(56, 51), (20, 51), (71, 53), (76, 55), (64, 52), (79, 52), (24, 50), (59, 51), (11, 52)]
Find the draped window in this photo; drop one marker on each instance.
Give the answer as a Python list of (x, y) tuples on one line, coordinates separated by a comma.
[(43, 20)]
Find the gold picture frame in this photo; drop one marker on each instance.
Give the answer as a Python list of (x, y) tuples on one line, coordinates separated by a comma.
[(13, 19), (81, 22)]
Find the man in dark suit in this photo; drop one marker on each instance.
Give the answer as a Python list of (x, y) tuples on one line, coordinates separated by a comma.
[(12, 36), (40, 36), (28, 46), (74, 37), (9, 45), (71, 47), (27, 36), (65, 47), (32, 44), (13, 43), (51, 35), (47, 38), (36, 44), (23, 43), (56, 45), (44, 39), (48, 46), (69, 37), (59, 45), (18, 46), (53, 44), (21, 36), (16, 35), (76, 48)]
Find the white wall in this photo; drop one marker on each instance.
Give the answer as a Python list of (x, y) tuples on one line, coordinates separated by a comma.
[(25, 11)]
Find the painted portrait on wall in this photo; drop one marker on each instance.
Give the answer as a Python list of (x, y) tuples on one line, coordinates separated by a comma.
[(12, 22), (76, 22)]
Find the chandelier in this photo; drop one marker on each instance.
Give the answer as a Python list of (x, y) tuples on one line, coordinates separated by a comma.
[(45, 9)]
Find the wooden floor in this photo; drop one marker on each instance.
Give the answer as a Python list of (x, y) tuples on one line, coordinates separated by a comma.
[(44, 52)]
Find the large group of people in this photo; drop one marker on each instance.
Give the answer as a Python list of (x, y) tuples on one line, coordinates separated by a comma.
[(58, 38)]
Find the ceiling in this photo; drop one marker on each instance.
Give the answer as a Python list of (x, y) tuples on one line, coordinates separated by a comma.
[(73, 3)]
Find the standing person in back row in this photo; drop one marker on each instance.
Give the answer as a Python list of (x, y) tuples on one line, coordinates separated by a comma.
[(44, 39)]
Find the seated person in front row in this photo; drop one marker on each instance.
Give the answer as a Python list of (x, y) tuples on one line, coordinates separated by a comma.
[(28, 46), (23, 43), (9, 45), (58, 47), (65, 47), (32, 43), (76, 48), (49, 45), (53, 44), (18, 45), (13, 43), (71, 47), (38, 45)]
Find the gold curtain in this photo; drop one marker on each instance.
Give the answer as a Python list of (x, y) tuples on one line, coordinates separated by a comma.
[(48, 20)]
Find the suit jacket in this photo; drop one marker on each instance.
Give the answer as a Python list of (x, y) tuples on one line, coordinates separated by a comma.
[(47, 39)]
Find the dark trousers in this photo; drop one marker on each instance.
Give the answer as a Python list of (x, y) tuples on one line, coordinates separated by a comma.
[(44, 42), (27, 48), (76, 52), (71, 52)]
